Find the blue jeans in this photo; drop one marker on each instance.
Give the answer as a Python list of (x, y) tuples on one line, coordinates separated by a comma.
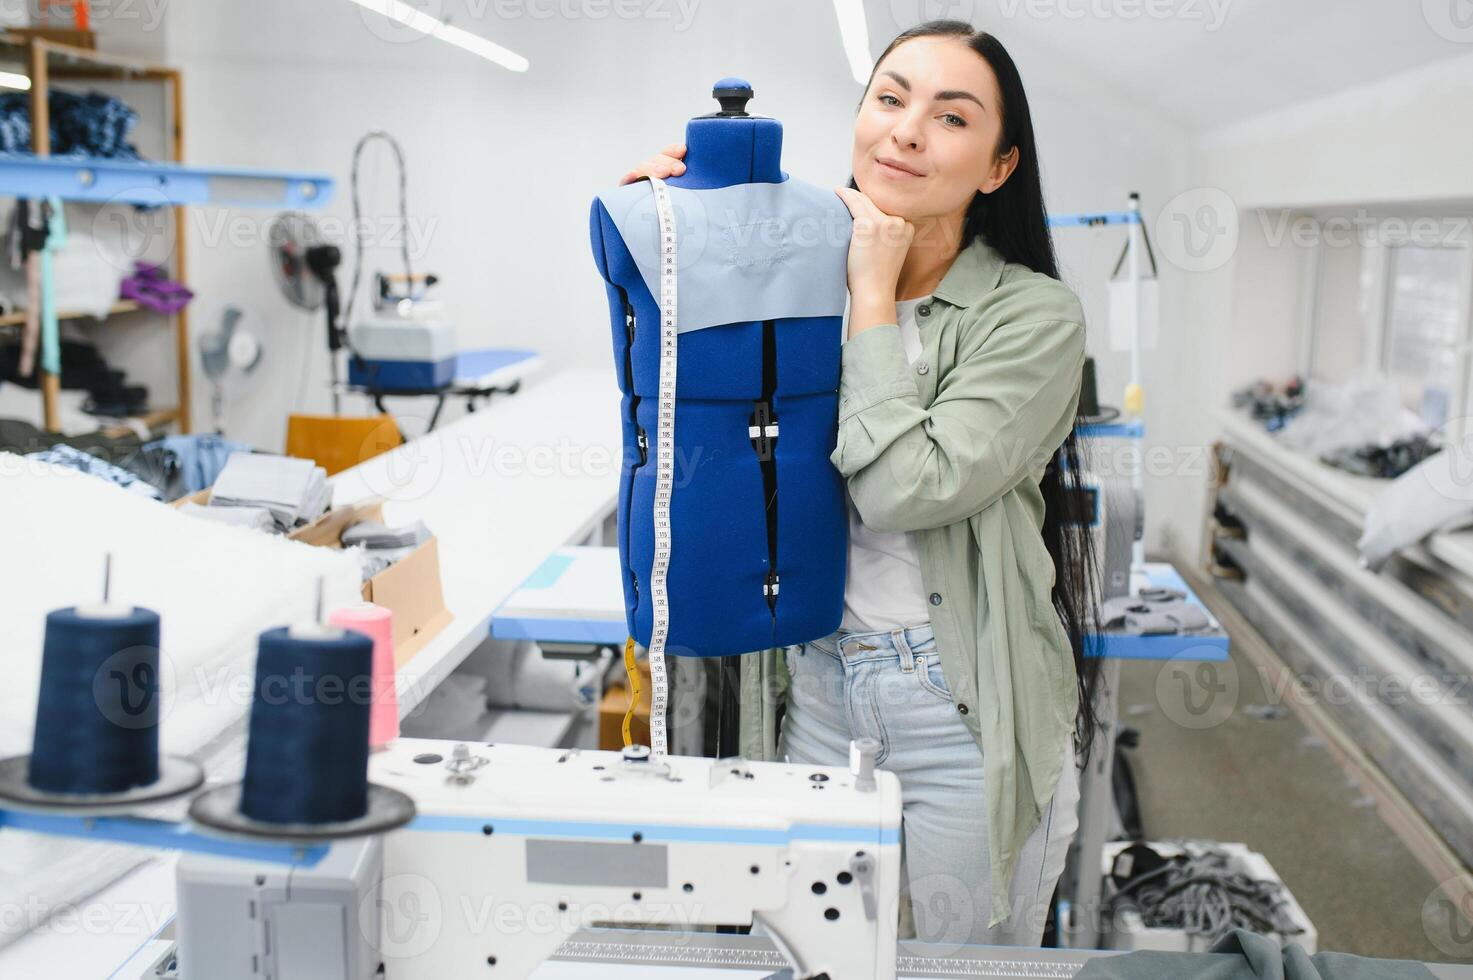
[(890, 686)]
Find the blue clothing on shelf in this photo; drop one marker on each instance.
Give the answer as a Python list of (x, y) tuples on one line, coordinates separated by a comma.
[(93, 125)]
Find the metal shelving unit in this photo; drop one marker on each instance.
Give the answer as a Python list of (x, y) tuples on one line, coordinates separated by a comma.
[(168, 183)]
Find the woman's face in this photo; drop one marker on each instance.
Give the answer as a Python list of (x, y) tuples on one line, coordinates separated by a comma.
[(932, 108)]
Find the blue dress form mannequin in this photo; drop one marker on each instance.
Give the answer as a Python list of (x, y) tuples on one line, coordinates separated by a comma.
[(758, 523)]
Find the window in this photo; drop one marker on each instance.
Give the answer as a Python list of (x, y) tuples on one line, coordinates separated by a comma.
[(1394, 300), (1426, 328)]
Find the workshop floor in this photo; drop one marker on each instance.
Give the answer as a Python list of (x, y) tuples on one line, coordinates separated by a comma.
[(1270, 783)]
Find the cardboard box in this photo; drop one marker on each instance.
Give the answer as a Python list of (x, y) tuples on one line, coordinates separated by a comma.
[(410, 588), (616, 701)]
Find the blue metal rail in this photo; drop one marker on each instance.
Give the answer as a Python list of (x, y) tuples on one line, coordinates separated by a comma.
[(102, 180)]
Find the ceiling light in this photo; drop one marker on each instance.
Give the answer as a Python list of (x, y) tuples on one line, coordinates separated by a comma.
[(417, 20)]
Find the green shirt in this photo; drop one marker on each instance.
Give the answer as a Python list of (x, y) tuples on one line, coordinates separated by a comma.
[(953, 448)]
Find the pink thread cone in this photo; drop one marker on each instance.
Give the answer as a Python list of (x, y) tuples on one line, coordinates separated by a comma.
[(376, 622)]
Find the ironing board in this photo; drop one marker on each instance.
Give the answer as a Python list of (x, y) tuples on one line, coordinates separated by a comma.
[(479, 373)]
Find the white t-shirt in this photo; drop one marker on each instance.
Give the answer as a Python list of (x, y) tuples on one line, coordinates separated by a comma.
[(883, 589)]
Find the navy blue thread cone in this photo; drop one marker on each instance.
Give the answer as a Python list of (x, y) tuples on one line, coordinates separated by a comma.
[(307, 755), (97, 715)]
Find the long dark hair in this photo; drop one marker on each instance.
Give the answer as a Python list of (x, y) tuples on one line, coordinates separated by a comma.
[(1013, 220)]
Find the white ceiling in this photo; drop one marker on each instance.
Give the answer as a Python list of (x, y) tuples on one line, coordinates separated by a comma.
[(1207, 62)]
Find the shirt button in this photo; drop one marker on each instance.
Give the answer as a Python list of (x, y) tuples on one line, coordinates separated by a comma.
[(962, 708), (935, 598), (924, 309), (923, 368)]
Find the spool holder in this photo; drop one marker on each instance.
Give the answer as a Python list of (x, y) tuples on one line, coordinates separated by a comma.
[(216, 812), (177, 777)]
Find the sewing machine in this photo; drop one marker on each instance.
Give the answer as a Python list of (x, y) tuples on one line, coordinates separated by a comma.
[(516, 848)]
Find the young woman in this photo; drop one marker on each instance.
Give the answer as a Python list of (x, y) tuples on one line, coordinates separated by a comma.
[(967, 600)]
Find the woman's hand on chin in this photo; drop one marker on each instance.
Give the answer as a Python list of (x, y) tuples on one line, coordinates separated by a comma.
[(877, 250)]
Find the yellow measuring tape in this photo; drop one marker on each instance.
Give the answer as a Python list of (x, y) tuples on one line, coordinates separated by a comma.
[(632, 668)]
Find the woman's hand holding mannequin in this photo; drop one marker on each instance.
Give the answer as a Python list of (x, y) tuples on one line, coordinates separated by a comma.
[(666, 163)]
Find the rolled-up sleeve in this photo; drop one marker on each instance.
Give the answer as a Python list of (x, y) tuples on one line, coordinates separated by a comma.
[(998, 415)]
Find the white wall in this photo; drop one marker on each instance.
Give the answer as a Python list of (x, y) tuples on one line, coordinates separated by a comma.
[(503, 165), (1403, 141)]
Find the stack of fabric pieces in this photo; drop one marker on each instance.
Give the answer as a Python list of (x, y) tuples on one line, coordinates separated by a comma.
[(255, 518), (377, 547), (285, 491), (1153, 612)]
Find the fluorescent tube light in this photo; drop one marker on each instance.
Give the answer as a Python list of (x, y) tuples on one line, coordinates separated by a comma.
[(417, 20), (855, 35)]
